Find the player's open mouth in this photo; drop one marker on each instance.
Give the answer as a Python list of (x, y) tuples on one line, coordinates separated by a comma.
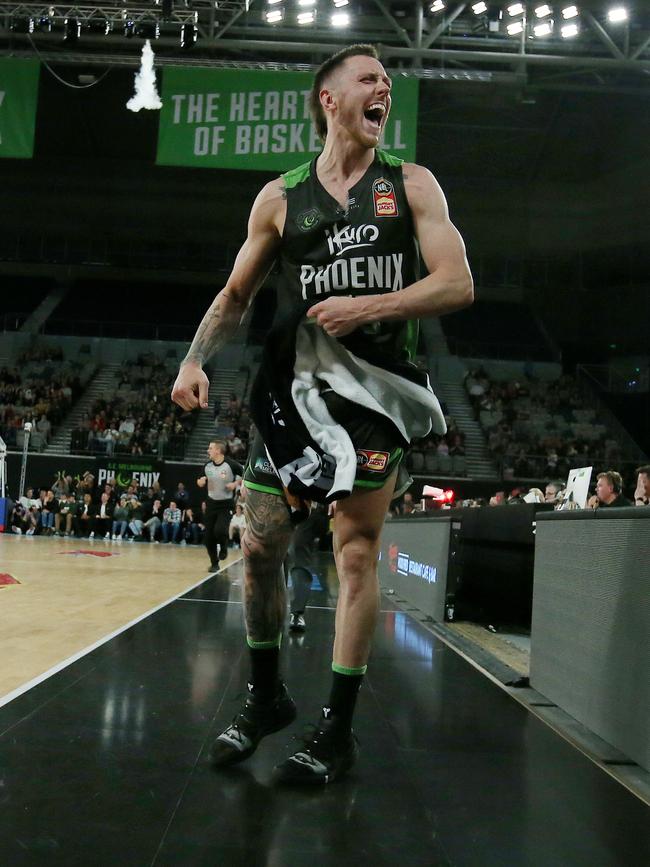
[(375, 113)]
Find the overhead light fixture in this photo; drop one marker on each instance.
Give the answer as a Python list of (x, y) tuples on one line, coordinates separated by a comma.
[(305, 3), (515, 28), (147, 29), (543, 11), (71, 29), (98, 26), (569, 30), (617, 14), (437, 6), (189, 34), (479, 8), (543, 29), (22, 25), (339, 3), (515, 9), (274, 16), (305, 17), (569, 12), (340, 19), (273, 2)]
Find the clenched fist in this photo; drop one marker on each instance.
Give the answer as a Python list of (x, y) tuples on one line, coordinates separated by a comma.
[(190, 390), (337, 316)]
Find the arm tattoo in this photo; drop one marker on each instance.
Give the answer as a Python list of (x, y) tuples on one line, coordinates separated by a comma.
[(264, 545), (216, 328), (283, 190)]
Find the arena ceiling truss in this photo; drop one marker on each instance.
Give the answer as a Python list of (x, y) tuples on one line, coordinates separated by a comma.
[(451, 41)]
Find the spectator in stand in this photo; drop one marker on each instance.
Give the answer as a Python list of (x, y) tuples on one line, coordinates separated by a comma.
[(44, 427), (182, 496), (136, 515), (84, 520), (104, 516), (171, 520), (192, 529), (153, 518), (409, 506), (552, 490), (120, 519), (498, 499), (65, 515), (609, 492), (62, 486), (642, 492), (49, 508), (237, 526)]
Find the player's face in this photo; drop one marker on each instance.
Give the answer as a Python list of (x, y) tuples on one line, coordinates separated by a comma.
[(360, 91)]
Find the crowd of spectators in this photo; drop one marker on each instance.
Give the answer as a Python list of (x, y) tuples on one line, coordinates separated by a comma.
[(539, 429), (79, 508), (233, 423), (38, 389), (136, 417), (443, 455), (608, 492)]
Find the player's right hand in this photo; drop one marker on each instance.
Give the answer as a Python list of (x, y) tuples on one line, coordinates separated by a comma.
[(202, 481), (190, 390)]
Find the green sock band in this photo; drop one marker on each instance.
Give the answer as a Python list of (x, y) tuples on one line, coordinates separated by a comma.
[(264, 645), (351, 672)]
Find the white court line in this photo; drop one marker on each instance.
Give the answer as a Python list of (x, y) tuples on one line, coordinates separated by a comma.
[(10, 696)]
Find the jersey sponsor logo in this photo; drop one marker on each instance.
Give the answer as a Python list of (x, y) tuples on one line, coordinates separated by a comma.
[(350, 237), (383, 273), (376, 462), (263, 465), (383, 194), (308, 219)]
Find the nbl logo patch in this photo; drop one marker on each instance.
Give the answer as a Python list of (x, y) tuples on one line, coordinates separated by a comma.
[(376, 462), (383, 195)]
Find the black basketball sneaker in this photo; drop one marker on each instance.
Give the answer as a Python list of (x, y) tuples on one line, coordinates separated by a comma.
[(326, 756), (255, 720)]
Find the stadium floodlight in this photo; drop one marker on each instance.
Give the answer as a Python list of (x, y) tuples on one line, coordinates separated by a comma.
[(479, 8), (437, 6), (305, 18), (274, 16), (515, 9), (543, 11), (569, 30), (515, 28), (543, 29), (617, 14), (339, 3), (340, 19), (569, 12), (304, 3)]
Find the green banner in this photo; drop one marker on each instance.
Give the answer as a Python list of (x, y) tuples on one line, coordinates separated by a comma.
[(18, 97), (257, 119)]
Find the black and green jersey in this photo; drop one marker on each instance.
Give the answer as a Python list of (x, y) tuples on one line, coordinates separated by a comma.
[(366, 248)]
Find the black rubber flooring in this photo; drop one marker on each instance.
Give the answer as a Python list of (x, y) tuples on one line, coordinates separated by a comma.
[(105, 762)]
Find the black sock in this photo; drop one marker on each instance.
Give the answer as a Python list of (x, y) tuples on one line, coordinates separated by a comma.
[(265, 665), (346, 683)]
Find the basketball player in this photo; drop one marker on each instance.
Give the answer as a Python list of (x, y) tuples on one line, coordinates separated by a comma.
[(345, 228)]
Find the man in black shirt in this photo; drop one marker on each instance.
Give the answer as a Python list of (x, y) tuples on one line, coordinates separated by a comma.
[(609, 487)]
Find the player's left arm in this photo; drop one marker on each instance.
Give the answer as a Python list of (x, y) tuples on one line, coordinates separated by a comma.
[(447, 287)]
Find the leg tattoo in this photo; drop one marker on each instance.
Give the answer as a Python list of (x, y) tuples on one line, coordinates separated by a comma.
[(264, 546)]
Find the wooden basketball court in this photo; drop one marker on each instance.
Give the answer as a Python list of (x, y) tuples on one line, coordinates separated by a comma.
[(74, 593)]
